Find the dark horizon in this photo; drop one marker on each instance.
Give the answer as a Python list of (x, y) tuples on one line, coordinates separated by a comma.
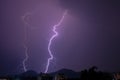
[(69, 72), (89, 35), (64, 74)]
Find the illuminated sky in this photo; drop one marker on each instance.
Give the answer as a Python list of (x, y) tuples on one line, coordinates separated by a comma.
[(90, 34)]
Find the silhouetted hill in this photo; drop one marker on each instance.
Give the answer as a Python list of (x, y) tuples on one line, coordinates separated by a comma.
[(67, 72), (29, 73), (90, 74)]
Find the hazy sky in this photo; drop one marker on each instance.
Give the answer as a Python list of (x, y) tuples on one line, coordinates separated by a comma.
[(89, 35)]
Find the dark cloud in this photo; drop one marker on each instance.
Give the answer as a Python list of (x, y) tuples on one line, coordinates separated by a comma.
[(97, 33)]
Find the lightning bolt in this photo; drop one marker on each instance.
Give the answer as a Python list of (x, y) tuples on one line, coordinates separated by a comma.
[(51, 39), (25, 42), (26, 52)]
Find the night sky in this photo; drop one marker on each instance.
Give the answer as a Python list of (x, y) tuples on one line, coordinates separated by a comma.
[(89, 35)]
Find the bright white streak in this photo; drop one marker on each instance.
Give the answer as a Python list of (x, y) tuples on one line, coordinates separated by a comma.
[(25, 42), (51, 39), (26, 52)]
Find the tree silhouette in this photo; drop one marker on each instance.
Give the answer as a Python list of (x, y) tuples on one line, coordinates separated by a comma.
[(93, 74)]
